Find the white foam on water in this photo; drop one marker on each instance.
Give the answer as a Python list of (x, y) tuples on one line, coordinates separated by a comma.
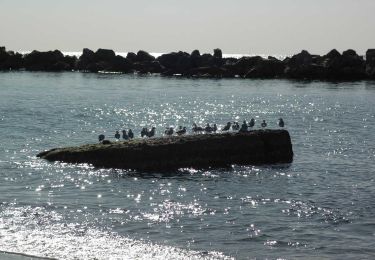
[(38, 232)]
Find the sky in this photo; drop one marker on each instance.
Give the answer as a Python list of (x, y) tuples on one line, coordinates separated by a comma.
[(237, 26)]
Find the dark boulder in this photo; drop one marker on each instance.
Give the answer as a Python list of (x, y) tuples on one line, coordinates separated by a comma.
[(189, 151), (94, 67), (121, 64), (303, 66), (243, 65), (270, 68), (349, 53), (195, 57), (206, 60), (86, 60), (143, 56), (218, 54), (308, 71), (195, 53), (248, 62), (229, 61), (3, 54), (333, 54), (353, 60), (10, 60), (88, 54), (143, 62), (131, 56), (198, 60), (71, 61), (14, 62), (208, 72), (272, 58), (104, 55), (303, 58), (148, 67), (103, 60), (175, 62), (218, 57), (60, 66), (370, 63), (46, 61), (348, 66)]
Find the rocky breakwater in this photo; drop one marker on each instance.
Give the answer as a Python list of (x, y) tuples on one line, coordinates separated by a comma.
[(332, 66), (370, 63), (190, 151)]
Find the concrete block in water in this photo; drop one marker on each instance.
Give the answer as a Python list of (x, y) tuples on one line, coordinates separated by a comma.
[(189, 151)]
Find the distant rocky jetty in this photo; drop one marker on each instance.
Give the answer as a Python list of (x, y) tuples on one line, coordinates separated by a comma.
[(332, 66), (190, 151)]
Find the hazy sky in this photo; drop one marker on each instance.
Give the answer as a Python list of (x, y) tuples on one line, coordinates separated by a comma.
[(237, 26)]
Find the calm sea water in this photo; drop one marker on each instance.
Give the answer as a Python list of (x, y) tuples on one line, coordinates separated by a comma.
[(320, 206)]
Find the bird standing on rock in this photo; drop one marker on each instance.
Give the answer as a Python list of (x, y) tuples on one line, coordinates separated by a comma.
[(144, 132), (101, 137), (227, 127), (130, 134), (181, 131), (252, 123), (263, 124), (281, 122), (117, 135), (208, 128), (243, 127), (235, 126), (152, 132), (197, 128), (124, 135), (169, 131)]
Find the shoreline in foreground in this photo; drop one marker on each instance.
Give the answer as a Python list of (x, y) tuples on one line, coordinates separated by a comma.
[(332, 66)]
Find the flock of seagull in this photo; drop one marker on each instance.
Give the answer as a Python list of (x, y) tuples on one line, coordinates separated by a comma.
[(169, 131)]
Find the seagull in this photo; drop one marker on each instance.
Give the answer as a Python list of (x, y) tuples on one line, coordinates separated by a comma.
[(130, 134), (152, 132), (235, 126), (124, 135), (181, 131), (144, 132), (208, 128), (197, 128), (243, 127), (101, 137), (252, 123), (169, 131), (227, 127)]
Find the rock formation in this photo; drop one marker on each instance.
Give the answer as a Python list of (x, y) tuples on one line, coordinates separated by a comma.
[(370, 63), (48, 61), (103, 60), (332, 66), (171, 153)]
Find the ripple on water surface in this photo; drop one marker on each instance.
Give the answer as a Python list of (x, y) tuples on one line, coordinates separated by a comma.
[(321, 205)]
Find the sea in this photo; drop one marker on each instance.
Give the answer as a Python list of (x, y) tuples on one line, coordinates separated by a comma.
[(321, 206)]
